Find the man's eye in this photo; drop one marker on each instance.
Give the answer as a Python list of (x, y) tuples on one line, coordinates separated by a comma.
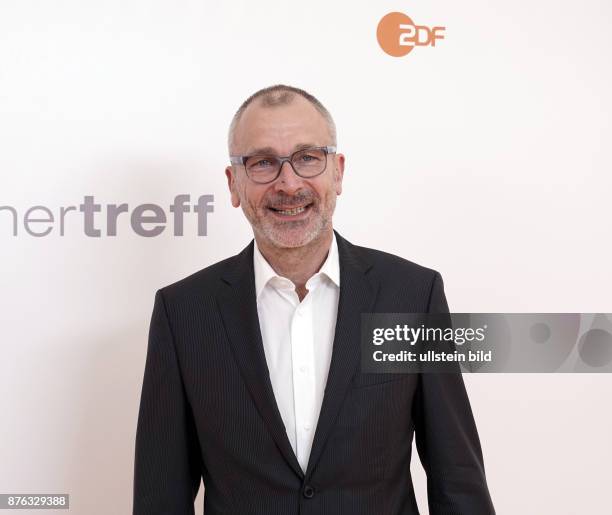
[(263, 163), (309, 157)]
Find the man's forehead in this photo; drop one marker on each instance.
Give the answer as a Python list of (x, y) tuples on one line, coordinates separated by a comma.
[(293, 125)]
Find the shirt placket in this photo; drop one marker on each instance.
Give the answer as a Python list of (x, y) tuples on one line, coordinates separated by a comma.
[(302, 352)]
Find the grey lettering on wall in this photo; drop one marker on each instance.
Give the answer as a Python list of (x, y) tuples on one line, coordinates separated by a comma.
[(147, 219)]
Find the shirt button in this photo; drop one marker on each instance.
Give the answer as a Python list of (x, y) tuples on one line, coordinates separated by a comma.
[(303, 369), (306, 428), (309, 492)]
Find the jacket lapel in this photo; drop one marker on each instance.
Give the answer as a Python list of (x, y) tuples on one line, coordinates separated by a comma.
[(357, 296), (237, 304)]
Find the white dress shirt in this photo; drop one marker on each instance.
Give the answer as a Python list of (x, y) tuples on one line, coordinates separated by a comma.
[(298, 339)]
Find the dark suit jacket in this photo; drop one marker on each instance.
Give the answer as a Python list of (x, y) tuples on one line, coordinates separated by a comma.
[(208, 411)]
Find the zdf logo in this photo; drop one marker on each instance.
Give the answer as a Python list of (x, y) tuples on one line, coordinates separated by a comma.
[(397, 34)]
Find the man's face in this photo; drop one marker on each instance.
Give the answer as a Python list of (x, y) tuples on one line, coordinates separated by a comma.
[(271, 208)]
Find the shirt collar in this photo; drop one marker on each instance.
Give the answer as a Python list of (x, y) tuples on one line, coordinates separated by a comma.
[(264, 272)]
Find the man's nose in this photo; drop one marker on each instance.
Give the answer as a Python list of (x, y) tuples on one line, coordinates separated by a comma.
[(288, 181)]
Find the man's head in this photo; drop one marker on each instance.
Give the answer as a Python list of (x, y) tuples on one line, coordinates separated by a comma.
[(290, 211)]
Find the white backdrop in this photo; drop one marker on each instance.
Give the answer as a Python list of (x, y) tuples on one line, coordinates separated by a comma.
[(486, 158)]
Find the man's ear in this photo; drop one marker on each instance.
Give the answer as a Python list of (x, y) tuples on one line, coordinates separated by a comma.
[(231, 184), (339, 172)]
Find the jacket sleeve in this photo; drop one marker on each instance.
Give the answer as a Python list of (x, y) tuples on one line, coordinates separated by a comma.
[(167, 467), (446, 438)]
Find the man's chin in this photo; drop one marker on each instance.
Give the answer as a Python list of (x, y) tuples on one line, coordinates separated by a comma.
[(290, 237)]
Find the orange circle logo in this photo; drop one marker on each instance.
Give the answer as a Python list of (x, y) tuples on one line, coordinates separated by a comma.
[(397, 34), (389, 34)]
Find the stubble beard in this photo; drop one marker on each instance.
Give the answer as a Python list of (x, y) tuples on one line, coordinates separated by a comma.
[(292, 234)]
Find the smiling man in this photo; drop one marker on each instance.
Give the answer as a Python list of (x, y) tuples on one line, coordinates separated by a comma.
[(288, 201), (252, 380)]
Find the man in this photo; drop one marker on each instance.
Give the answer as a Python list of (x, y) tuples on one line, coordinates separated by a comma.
[(252, 380)]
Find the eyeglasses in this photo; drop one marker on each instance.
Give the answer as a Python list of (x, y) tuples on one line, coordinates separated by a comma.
[(264, 168)]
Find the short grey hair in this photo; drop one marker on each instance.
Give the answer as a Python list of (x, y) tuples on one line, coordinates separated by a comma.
[(277, 95)]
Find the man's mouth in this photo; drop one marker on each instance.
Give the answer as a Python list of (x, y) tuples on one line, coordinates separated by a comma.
[(290, 211)]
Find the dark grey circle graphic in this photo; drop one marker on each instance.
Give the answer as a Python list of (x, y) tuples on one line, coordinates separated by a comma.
[(540, 332), (595, 347)]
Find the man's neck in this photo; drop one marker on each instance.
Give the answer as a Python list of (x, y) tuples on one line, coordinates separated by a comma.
[(300, 263)]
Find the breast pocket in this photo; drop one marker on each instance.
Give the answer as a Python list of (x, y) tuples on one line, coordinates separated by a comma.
[(362, 380)]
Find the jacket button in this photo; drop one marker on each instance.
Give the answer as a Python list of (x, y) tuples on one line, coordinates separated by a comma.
[(309, 492)]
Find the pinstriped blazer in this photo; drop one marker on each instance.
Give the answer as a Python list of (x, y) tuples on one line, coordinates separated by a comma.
[(207, 409)]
